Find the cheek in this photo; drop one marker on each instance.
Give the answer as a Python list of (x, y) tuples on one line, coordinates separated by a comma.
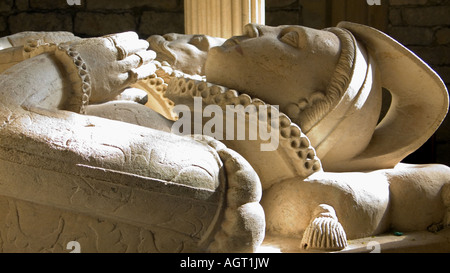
[(279, 61), (225, 59), (327, 46), (252, 59), (190, 61), (183, 53)]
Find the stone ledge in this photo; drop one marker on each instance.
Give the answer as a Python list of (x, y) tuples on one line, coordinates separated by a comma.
[(408, 242)]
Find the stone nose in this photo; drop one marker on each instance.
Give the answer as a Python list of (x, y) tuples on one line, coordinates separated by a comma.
[(251, 30)]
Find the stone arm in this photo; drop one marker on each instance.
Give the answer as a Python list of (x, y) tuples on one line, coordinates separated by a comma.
[(193, 195), (22, 38), (18, 47)]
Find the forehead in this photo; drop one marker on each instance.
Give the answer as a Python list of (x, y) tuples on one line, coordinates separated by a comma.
[(302, 30), (185, 38), (177, 38), (199, 41)]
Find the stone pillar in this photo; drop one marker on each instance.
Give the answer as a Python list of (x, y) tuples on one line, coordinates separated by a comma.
[(222, 18)]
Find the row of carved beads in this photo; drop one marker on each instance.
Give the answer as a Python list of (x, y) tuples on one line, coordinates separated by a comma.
[(297, 141), (78, 73)]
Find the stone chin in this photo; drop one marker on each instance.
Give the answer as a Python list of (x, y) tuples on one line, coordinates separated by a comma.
[(220, 61)]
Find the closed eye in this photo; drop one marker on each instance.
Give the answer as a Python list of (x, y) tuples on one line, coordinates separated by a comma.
[(291, 38), (170, 37), (201, 42)]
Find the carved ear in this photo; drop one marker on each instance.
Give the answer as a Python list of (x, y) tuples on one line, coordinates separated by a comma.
[(419, 99)]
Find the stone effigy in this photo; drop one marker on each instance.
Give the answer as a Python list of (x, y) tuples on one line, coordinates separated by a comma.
[(158, 191), (333, 175), (336, 174)]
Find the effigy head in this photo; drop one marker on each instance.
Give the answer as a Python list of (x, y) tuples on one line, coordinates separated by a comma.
[(306, 72), (282, 65), (186, 53), (330, 83)]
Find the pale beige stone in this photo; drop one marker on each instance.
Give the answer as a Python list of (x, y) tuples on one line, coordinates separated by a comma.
[(335, 176), (18, 47), (185, 194), (361, 180), (341, 124), (183, 52), (292, 154)]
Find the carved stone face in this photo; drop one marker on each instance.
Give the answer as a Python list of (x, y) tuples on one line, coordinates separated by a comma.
[(277, 64), (186, 53)]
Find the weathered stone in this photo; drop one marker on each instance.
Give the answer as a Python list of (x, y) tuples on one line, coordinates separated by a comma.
[(112, 203), (97, 24), (22, 5), (160, 23), (188, 174), (6, 5), (444, 73), (435, 55), (443, 133), (281, 3), (395, 16), (407, 2), (3, 25), (314, 13), (49, 4), (427, 16), (282, 17), (442, 154), (40, 22), (412, 35), (122, 5), (443, 36)]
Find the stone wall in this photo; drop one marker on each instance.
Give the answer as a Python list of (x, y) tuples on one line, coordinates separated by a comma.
[(424, 27), (92, 17), (421, 25)]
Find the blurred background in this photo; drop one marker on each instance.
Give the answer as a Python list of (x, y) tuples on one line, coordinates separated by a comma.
[(421, 25)]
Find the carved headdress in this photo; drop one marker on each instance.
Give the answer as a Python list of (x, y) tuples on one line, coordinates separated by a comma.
[(346, 133), (341, 128)]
